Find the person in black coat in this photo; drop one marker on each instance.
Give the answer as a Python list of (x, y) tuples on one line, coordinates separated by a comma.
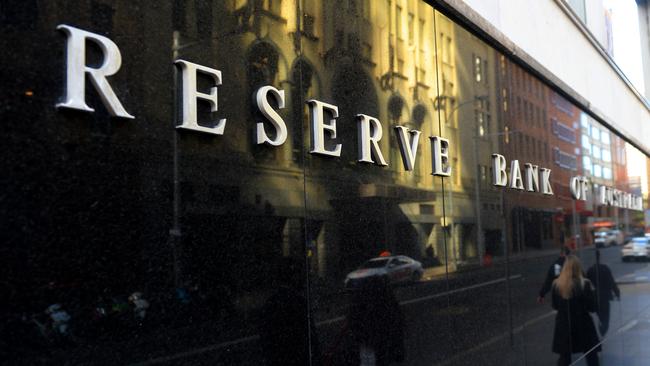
[(552, 273), (573, 297), (288, 335), (601, 276), (376, 323)]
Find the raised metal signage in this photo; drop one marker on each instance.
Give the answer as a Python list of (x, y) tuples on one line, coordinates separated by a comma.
[(322, 122)]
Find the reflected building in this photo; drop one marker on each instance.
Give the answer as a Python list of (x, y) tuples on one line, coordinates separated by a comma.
[(210, 228), (371, 59), (468, 118), (564, 150), (530, 136), (603, 161)]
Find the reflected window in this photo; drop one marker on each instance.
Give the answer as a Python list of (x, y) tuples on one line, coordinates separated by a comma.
[(262, 65), (566, 160), (562, 104), (301, 76), (595, 133), (606, 155), (596, 152), (418, 114), (445, 41), (598, 171), (395, 106), (584, 121), (411, 26), (607, 173), (482, 116), (604, 137), (308, 25), (398, 22), (563, 132), (484, 173), (586, 144), (478, 69), (586, 163), (421, 34), (273, 6)]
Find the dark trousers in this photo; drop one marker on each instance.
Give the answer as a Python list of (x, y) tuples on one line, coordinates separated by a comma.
[(591, 357), (603, 316)]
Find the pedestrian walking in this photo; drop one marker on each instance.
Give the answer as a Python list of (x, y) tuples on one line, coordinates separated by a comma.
[(573, 297), (376, 325), (287, 333), (552, 273), (601, 276)]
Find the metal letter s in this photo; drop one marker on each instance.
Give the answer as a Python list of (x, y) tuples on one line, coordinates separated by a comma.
[(261, 99)]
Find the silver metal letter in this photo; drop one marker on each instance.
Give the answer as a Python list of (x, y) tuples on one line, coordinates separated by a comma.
[(440, 156), (515, 176), (76, 70), (546, 181), (532, 177), (271, 115), (318, 127), (602, 195), (191, 94), (370, 133), (408, 150), (574, 187), (500, 177), (578, 187)]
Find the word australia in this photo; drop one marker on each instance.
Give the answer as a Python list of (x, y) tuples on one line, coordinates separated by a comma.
[(322, 115)]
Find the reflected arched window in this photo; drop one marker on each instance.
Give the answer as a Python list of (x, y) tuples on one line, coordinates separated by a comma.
[(354, 92), (395, 106), (301, 80), (262, 65), (418, 115)]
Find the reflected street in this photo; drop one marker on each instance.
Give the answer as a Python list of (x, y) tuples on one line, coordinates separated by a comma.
[(477, 310)]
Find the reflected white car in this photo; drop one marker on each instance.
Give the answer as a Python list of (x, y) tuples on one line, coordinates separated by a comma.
[(608, 237), (399, 268), (637, 248)]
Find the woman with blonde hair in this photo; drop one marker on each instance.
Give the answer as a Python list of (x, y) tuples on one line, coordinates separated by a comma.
[(574, 298)]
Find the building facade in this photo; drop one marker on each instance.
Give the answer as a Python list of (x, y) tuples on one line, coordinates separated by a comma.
[(170, 212)]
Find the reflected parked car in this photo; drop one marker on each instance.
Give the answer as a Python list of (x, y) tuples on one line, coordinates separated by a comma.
[(608, 238), (637, 248), (399, 268)]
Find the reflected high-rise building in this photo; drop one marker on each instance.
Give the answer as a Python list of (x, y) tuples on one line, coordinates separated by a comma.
[(528, 137)]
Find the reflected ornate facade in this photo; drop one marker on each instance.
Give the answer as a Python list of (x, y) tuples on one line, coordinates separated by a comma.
[(97, 209)]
